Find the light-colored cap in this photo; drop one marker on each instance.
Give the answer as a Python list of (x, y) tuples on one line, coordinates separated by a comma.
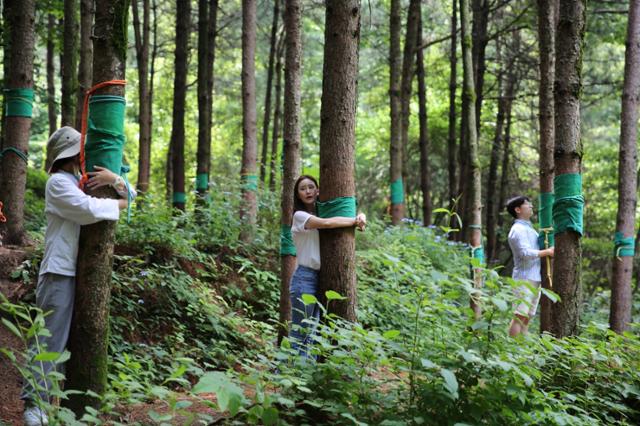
[(63, 143)]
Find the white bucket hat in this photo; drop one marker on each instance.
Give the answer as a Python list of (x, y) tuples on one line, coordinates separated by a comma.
[(63, 143)]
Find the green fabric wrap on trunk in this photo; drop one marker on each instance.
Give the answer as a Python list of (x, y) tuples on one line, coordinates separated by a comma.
[(623, 246), (104, 142), (179, 197), (202, 182), (19, 102), (568, 205), (287, 248), (17, 152), (338, 207), (250, 182), (397, 192), (478, 253), (545, 217)]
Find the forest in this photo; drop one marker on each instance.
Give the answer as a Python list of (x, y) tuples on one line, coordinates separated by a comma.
[(319, 212)]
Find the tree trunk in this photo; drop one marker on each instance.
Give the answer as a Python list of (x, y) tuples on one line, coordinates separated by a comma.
[(141, 33), (267, 98), (546, 37), (337, 148), (276, 118), (51, 84), (69, 63), (88, 339), (506, 150), (183, 23), (21, 35), (621, 299), (425, 171), (249, 206), (468, 95), (480, 23), (291, 145), (86, 55), (568, 159), (395, 149), (451, 141)]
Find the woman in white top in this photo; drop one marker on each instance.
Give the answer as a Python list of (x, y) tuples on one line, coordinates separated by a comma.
[(304, 230)]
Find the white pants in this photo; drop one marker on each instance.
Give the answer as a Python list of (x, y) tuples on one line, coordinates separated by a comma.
[(527, 299)]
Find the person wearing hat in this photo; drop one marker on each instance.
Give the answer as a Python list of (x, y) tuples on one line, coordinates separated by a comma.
[(67, 208)]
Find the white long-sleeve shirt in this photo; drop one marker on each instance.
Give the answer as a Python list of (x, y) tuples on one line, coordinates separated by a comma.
[(523, 240), (67, 208)]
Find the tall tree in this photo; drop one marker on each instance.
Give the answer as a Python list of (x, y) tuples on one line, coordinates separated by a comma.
[(267, 97), (395, 149), (291, 151), (249, 207), (475, 185), (183, 23), (141, 32), (18, 99), (451, 140), (546, 37), (69, 64), (337, 148), (86, 55), (481, 9), (621, 298), (51, 69), (506, 149), (276, 117), (88, 339), (567, 208), (207, 26), (425, 170)]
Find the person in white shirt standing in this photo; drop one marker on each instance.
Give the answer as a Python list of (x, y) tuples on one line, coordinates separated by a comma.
[(304, 318), (67, 208), (523, 240)]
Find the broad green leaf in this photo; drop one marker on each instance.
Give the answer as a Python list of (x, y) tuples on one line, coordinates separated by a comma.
[(309, 299), (554, 297), (334, 295), (270, 416), (391, 334), (47, 356), (450, 382), (12, 327)]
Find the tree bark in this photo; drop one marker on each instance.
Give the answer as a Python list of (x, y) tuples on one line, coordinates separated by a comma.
[(568, 159), (395, 71), (86, 56), (481, 10), (276, 118), (69, 64), (249, 207), (468, 96), (88, 339), (51, 84), (621, 298), (337, 148), (141, 33), (451, 140), (546, 37), (21, 35), (291, 144), (425, 171), (267, 97), (183, 23), (506, 150)]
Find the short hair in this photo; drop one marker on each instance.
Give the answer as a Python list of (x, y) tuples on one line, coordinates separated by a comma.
[(514, 203)]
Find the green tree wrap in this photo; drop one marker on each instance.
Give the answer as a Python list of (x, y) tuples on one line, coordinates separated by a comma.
[(623, 246), (179, 197), (287, 248), (568, 205), (338, 207), (250, 182), (397, 192), (17, 152), (104, 142), (19, 102), (202, 182), (545, 217), (478, 253)]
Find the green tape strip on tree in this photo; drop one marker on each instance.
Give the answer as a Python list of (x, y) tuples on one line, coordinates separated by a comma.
[(105, 139), (250, 182), (287, 248), (623, 247), (202, 182), (179, 198), (397, 192), (19, 102), (337, 207), (478, 253), (569, 204), (545, 218), (21, 154)]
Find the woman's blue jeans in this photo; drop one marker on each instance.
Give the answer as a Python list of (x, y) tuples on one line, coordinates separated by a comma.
[(304, 318)]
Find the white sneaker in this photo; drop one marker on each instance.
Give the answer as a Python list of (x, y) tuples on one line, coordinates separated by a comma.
[(34, 416)]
